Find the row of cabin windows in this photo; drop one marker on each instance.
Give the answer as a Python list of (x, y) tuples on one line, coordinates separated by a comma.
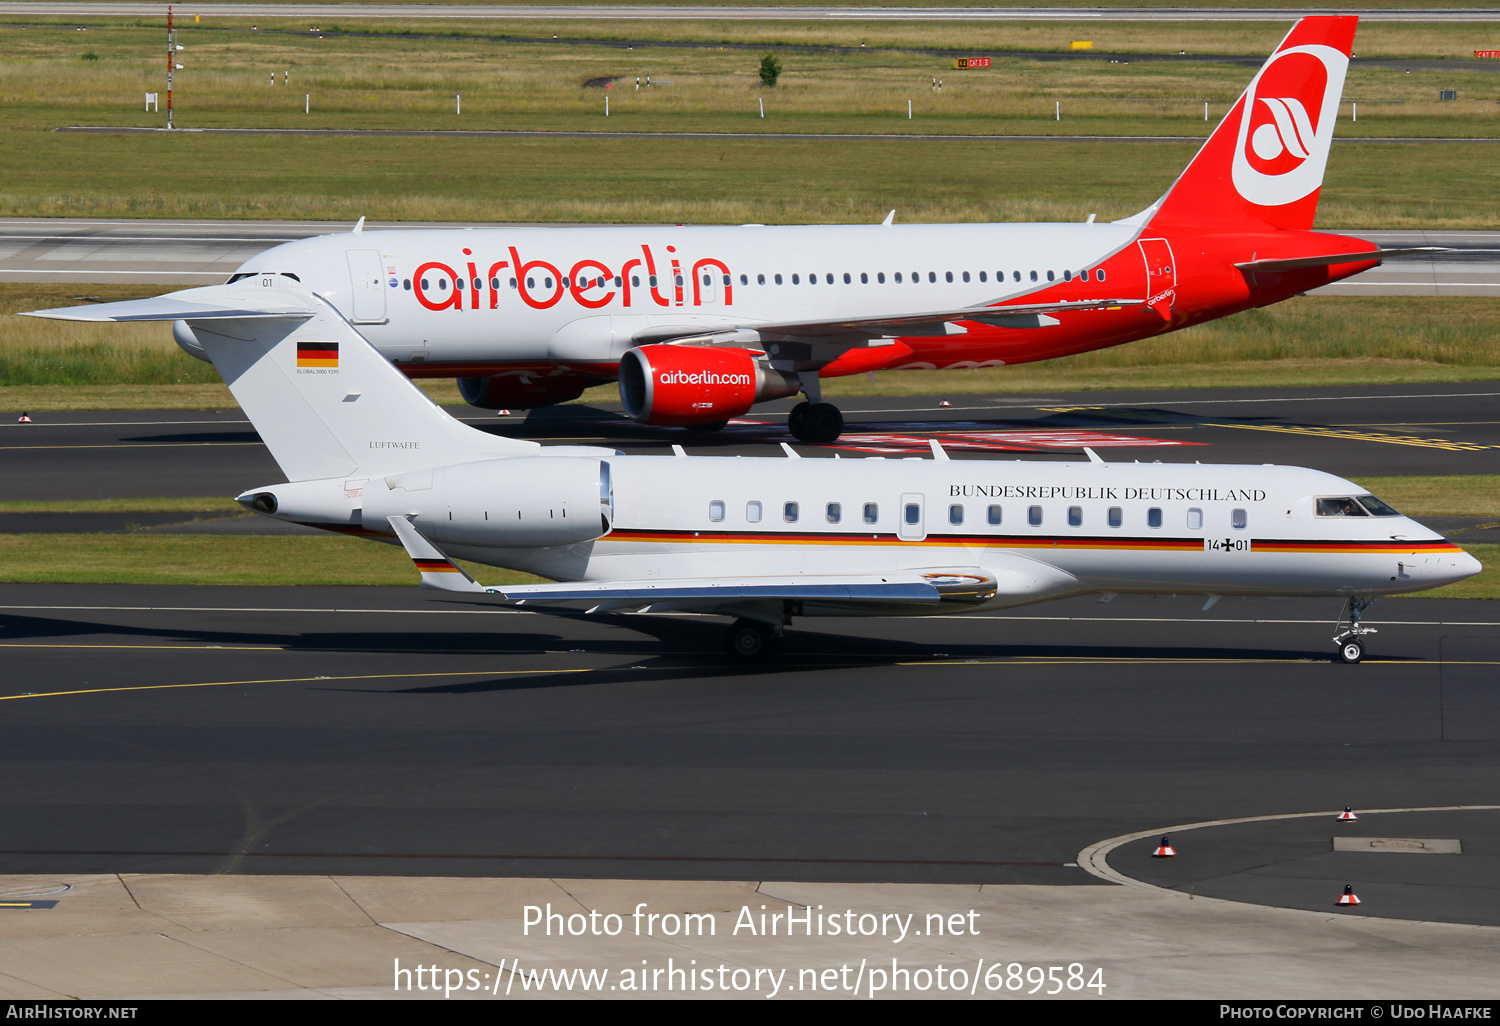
[(441, 283), (833, 513)]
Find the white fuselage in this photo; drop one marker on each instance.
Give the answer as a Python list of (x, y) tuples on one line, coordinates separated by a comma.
[(1041, 529)]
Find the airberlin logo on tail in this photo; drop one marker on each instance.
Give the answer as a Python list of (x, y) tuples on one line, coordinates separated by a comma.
[(1286, 125), (701, 378)]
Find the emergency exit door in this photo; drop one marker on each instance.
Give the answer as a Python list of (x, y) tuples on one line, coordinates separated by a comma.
[(1161, 276), (367, 286)]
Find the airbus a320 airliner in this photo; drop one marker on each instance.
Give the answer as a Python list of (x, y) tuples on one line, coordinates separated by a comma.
[(701, 323)]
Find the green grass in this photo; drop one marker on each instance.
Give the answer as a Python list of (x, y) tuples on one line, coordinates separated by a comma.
[(1485, 585), (202, 504), (209, 559), (1451, 495)]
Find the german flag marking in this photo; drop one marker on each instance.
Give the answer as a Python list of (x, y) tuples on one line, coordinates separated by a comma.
[(436, 566), (318, 354)]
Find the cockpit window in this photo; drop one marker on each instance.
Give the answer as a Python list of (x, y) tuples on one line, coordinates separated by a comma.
[(241, 275), (1376, 507), (1344, 506), (289, 274)]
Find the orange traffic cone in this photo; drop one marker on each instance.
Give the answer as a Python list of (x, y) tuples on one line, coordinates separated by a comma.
[(1164, 851), (503, 413), (1347, 816), (945, 404), (1347, 898), (24, 418)]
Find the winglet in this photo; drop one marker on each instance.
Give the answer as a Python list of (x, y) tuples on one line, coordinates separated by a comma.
[(438, 571), (937, 450), (1093, 456), (359, 226), (888, 219)]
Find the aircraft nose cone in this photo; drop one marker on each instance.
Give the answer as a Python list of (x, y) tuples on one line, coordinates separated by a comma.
[(1457, 567)]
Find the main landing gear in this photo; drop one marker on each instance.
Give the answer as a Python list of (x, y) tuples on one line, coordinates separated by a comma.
[(815, 422), (753, 640), (1350, 640)]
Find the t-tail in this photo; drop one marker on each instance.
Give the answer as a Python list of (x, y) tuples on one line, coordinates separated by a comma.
[(1263, 166)]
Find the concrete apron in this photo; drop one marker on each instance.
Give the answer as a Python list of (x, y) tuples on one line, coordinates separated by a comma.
[(340, 937)]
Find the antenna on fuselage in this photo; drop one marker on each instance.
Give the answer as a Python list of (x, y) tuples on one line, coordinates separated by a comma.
[(791, 454), (888, 219), (937, 450), (1094, 456), (359, 226)]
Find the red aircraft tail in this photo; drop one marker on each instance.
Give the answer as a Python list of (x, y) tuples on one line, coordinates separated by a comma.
[(1263, 166)]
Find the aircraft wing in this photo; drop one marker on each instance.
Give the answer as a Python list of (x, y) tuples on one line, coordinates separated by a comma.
[(1028, 315), (240, 301), (1377, 255)]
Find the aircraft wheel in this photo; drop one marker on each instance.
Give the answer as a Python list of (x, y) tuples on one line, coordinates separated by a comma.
[(821, 423), (1351, 651), (796, 421), (750, 640)]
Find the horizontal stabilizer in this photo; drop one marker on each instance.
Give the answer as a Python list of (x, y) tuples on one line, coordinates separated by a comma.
[(209, 303), (1325, 260)]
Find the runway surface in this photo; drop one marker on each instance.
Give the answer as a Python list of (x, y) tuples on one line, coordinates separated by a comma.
[(391, 731), (186, 253), (1351, 431), (731, 13)]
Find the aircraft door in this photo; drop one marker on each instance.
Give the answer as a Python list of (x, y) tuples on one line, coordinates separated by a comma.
[(706, 288), (367, 285), (911, 518), (1161, 276)]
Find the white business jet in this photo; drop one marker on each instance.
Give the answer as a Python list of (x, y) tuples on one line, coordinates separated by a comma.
[(766, 540)]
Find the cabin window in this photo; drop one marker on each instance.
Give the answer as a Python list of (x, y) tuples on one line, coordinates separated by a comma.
[(778, 279), (880, 277), (547, 282), (726, 279), (1153, 517), (716, 510), (1018, 275), (1238, 519), (982, 276), (1340, 507), (994, 515), (796, 280), (513, 283), (1050, 276), (1376, 507), (1034, 516), (847, 279), (753, 511), (1033, 276), (478, 284), (677, 280), (442, 284), (406, 284), (1195, 520), (1099, 274), (495, 284), (955, 514), (530, 283), (1116, 516), (789, 512), (913, 513), (1067, 275), (916, 277), (425, 285), (760, 279), (1075, 516), (966, 276), (652, 280), (948, 276), (872, 512), (898, 277), (834, 512), (617, 281), (566, 283), (830, 279), (932, 276), (864, 279), (745, 280)]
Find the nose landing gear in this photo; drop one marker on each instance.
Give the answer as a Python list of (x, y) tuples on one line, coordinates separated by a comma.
[(1350, 640), (815, 422)]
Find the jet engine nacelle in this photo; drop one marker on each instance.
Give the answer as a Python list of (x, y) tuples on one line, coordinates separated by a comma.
[(685, 385), (522, 502)]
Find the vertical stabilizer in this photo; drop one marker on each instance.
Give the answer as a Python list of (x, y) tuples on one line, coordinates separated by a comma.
[(324, 400), (1263, 166)]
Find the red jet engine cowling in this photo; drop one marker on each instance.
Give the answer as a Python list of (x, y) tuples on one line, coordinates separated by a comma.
[(681, 386)]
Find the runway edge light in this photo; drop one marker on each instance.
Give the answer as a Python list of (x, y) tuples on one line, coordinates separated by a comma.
[(1348, 897), (1164, 851), (1347, 816)]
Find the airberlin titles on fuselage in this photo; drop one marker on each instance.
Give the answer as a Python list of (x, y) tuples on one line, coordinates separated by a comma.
[(541, 284)]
